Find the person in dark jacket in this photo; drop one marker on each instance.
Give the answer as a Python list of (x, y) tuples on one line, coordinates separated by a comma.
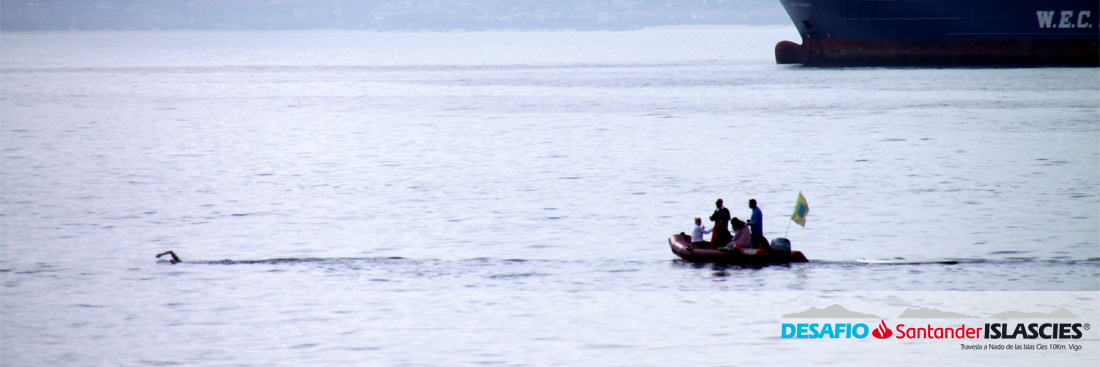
[(721, 218)]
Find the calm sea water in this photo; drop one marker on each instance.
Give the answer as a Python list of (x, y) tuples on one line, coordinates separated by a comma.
[(505, 198)]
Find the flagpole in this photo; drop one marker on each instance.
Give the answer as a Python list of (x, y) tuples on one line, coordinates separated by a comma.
[(788, 228)]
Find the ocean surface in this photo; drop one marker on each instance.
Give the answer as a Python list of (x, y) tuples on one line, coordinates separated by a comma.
[(505, 198)]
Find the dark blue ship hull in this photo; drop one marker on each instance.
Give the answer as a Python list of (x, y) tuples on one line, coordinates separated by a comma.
[(943, 32)]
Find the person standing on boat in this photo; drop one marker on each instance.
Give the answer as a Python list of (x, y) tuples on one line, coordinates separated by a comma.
[(721, 219), (756, 225), (697, 238)]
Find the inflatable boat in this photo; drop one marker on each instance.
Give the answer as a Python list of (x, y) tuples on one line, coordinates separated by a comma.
[(779, 253)]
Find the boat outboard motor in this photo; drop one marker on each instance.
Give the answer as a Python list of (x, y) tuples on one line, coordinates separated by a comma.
[(781, 245)]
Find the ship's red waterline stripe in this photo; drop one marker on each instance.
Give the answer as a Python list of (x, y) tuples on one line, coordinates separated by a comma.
[(832, 52)]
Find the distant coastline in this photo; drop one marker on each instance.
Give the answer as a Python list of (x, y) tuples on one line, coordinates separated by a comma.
[(444, 15)]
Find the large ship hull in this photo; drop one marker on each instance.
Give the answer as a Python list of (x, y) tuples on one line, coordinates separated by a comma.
[(943, 32)]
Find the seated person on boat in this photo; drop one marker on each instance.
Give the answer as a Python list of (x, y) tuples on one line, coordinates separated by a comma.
[(697, 238), (742, 237)]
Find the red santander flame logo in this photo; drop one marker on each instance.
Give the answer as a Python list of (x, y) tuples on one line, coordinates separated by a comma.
[(882, 332)]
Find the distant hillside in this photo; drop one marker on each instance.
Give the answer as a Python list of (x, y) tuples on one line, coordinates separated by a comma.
[(37, 15), (833, 311), (1060, 313), (931, 313)]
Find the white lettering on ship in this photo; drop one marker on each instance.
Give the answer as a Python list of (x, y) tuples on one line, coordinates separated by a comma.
[(1066, 19)]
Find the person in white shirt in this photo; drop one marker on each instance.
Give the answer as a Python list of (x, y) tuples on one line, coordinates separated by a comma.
[(697, 238)]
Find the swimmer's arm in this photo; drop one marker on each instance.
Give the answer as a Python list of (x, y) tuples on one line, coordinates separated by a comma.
[(175, 259)]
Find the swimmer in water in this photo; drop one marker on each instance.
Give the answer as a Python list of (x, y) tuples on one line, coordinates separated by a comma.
[(175, 259)]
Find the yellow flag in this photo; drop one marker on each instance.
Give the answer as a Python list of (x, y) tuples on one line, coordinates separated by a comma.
[(800, 210)]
